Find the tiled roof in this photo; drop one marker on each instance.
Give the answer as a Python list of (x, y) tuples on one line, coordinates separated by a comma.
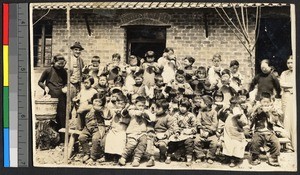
[(145, 5)]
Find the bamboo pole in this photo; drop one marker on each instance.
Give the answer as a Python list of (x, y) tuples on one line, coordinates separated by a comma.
[(68, 112)]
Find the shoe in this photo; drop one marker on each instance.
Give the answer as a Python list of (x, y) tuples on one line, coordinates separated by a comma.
[(188, 161), (273, 161), (150, 163), (101, 160), (168, 160), (255, 161), (122, 161), (135, 163), (232, 163), (210, 161), (85, 158), (200, 159)]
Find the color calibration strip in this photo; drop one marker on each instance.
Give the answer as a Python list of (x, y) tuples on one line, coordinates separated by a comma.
[(6, 85)]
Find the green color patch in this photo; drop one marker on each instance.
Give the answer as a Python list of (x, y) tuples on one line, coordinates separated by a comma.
[(5, 107)]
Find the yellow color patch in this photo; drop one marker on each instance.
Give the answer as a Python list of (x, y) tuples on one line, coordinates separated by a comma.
[(5, 66)]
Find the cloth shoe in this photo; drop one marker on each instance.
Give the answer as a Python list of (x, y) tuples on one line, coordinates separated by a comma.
[(122, 161)]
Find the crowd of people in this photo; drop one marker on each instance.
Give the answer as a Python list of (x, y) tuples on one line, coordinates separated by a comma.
[(128, 111)]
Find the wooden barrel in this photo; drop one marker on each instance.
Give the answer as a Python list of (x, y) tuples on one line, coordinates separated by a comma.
[(45, 108)]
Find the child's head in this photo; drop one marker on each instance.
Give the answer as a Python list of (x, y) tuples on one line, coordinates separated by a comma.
[(265, 66), (168, 52), (265, 99), (216, 60), (140, 103), (102, 81), (180, 76), (98, 101), (184, 105), (114, 95), (162, 107), (95, 61), (218, 96), (234, 66), (188, 61), (206, 102), (116, 58), (201, 72), (121, 100), (225, 76), (244, 95), (138, 77), (234, 100), (150, 56), (289, 62), (119, 81), (159, 81), (88, 81), (196, 100), (59, 61), (133, 60)]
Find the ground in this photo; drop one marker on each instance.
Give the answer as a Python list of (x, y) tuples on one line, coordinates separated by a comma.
[(54, 157)]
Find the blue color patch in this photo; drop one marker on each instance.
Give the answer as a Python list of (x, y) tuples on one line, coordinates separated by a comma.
[(6, 148)]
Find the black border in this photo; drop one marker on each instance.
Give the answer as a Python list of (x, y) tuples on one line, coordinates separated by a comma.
[(90, 171)]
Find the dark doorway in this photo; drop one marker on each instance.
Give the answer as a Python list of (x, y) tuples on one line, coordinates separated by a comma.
[(274, 42), (141, 39)]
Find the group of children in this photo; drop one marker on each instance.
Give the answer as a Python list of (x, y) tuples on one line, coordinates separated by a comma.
[(130, 110)]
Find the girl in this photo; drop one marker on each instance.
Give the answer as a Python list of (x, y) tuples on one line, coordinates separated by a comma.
[(54, 80), (150, 68), (168, 65), (198, 81)]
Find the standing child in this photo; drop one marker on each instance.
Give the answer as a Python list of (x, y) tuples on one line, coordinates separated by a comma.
[(113, 69), (83, 100), (214, 72), (102, 86), (234, 70), (130, 70), (138, 88), (54, 80), (181, 85), (168, 65), (93, 68), (151, 68), (188, 62), (234, 138), (226, 89), (136, 132), (94, 128), (207, 124), (263, 120), (184, 136), (198, 80)]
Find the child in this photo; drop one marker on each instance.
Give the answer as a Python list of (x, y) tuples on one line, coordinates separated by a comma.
[(151, 68), (54, 80), (130, 70), (94, 128), (198, 80), (188, 62), (181, 85), (183, 137), (196, 104), (137, 132), (93, 68), (117, 129), (263, 121), (214, 72), (164, 127), (234, 70), (138, 88), (102, 86), (234, 138), (168, 65), (207, 123), (113, 69), (265, 81), (226, 89), (83, 100), (218, 98)]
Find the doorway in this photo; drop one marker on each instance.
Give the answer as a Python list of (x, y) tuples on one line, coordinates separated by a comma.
[(141, 39)]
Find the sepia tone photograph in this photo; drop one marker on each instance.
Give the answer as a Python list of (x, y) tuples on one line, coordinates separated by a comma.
[(164, 85)]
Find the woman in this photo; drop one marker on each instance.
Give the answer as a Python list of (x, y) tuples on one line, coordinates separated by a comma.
[(287, 80)]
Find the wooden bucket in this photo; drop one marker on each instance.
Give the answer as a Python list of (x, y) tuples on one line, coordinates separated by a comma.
[(45, 108)]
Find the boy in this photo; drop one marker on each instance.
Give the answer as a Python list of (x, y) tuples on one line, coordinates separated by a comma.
[(113, 69), (207, 125), (226, 88), (265, 81), (137, 132), (263, 120), (215, 71), (94, 128)]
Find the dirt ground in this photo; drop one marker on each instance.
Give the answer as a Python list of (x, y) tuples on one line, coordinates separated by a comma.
[(54, 158)]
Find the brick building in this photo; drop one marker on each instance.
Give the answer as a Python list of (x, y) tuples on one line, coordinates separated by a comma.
[(195, 29)]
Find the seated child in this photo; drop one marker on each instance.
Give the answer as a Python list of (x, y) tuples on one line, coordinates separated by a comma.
[(137, 132), (94, 128), (164, 127), (197, 82), (113, 69), (264, 118), (93, 68), (138, 87), (83, 99), (234, 138), (181, 85), (117, 129), (102, 86), (207, 124), (184, 136)]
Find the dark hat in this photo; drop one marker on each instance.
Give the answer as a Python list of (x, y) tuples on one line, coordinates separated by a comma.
[(77, 45), (150, 53)]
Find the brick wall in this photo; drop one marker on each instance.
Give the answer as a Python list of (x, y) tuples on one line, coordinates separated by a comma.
[(186, 35)]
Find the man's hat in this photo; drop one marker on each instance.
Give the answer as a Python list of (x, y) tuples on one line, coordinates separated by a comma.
[(77, 45)]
